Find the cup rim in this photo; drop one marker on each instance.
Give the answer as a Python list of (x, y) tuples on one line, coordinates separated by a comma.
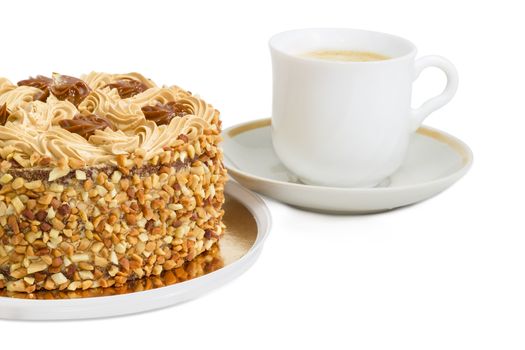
[(273, 48)]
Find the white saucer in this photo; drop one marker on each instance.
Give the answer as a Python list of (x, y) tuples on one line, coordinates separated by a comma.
[(248, 223), (434, 162)]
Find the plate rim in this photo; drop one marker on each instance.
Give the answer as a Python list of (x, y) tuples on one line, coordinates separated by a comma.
[(255, 205), (438, 135)]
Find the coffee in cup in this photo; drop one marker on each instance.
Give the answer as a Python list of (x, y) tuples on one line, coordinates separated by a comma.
[(345, 55)]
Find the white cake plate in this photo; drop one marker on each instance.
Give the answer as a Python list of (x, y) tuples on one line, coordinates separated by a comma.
[(248, 224)]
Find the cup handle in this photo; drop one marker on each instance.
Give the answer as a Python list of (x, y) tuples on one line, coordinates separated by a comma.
[(436, 102)]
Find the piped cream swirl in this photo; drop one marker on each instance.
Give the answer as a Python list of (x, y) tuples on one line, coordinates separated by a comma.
[(150, 138), (55, 143), (98, 80), (157, 95), (19, 97), (6, 85), (42, 115), (199, 108), (124, 114)]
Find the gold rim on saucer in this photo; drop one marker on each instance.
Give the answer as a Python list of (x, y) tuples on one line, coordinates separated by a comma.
[(435, 161)]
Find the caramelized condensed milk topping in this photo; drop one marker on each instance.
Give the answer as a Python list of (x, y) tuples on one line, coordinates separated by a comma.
[(41, 83), (4, 114), (128, 87), (85, 125), (63, 87), (164, 113), (95, 119), (70, 89)]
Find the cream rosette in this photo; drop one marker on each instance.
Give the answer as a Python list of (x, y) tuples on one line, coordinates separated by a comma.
[(148, 137), (158, 95), (43, 115), (58, 143), (6, 85), (199, 108), (98, 80), (153, 139), (55, 143), (19, 97), (123, 114)]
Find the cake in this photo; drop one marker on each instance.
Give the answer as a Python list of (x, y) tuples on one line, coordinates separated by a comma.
[(104, 179), (209, 261)]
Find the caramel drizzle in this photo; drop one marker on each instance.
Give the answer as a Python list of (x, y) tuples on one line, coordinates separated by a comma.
[(128, 87), (164, 113), (85, 125), (4, 114)]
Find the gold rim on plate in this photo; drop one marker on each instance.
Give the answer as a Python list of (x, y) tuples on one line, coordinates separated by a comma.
[(241, 233)]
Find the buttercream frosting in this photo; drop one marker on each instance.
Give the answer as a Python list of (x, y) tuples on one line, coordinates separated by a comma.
[(94, 119)]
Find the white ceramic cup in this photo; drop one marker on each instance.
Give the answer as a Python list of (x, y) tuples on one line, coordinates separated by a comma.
[(347, 124)]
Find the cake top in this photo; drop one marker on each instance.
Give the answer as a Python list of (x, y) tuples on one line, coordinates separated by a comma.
[(63, 121)]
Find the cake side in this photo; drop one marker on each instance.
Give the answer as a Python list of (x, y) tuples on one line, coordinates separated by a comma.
[(104, 181), (102, 227), (206, 262)]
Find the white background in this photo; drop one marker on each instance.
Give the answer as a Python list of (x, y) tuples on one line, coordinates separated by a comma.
[(445, 274)]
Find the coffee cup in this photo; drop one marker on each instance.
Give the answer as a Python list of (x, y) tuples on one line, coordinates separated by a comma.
[(342, 114)]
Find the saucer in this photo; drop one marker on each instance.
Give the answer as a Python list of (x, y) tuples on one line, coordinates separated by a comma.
[(434, 162)]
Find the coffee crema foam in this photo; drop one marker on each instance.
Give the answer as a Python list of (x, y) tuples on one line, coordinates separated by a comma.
[(346, 55)]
